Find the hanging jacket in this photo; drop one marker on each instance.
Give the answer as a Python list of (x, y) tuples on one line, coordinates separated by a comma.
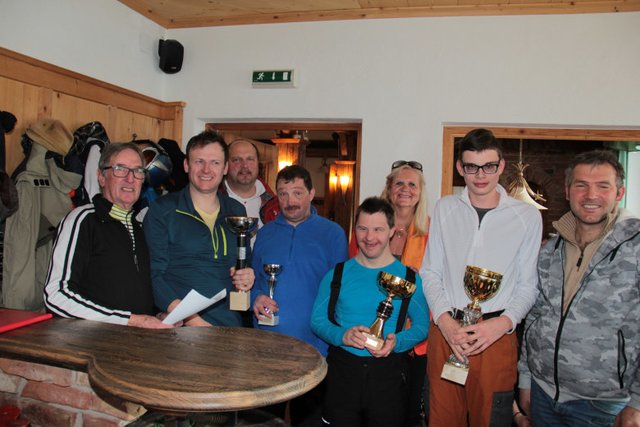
[(43, 194)]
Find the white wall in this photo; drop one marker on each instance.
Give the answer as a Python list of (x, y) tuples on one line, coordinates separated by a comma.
[(99, 38), (633, 178), (403, 78)]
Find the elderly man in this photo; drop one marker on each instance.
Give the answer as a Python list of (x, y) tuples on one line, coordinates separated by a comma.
[(190, 243), (580, 361), (100, 263), (242, 183)]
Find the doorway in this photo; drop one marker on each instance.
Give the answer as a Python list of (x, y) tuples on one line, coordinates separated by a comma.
[(330, 151)]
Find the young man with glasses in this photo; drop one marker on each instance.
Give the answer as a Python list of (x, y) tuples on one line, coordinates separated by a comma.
[(100, 262), (486, 228)]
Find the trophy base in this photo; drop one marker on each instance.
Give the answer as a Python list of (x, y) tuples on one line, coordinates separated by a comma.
[(373, 342), (239, 301), (274, 320), (456, 374)]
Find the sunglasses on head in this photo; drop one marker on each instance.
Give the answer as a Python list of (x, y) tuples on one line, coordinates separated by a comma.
[(410, 163)]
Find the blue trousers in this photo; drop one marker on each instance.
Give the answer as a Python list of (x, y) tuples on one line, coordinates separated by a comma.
[(545, 412)]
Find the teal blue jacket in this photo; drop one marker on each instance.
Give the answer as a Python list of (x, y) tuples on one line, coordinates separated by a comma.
[(186, 255)]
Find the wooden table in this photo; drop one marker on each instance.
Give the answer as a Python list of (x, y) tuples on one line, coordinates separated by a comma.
[(174, 370)]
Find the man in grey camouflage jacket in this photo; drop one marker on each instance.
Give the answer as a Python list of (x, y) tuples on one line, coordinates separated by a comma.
[(581, 350)]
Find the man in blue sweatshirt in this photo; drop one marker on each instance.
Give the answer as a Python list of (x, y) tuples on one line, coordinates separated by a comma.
[(306, 246), (367, 386)]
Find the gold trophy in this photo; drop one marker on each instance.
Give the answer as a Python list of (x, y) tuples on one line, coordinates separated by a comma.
[(272, 270), (394, 286), (242, 226), (480, 285)]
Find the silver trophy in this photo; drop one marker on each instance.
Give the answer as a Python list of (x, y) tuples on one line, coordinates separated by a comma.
[(242, 226), (272, 270)]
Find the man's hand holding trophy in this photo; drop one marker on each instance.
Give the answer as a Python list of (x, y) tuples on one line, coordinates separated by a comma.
[(480, 285), (394, 286)]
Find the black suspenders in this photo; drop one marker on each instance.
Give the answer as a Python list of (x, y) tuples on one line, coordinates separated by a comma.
[(336, 283)]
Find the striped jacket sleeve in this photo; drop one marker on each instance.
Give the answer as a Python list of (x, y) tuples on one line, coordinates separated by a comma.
[(70, 259)]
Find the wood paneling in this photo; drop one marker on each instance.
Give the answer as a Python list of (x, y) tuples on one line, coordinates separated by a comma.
[(196, 13), (32, 90)]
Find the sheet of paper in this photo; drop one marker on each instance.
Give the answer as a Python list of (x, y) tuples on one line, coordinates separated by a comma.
[(193, 303)]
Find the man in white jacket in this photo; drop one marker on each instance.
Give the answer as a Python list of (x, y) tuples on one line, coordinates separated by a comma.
[(482, 227)]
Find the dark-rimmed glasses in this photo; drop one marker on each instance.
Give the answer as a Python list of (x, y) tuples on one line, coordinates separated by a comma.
[(488, 168), (120, 171), (410, 163)]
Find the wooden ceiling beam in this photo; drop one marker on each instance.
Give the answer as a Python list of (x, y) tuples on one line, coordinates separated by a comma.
[(245, 12)]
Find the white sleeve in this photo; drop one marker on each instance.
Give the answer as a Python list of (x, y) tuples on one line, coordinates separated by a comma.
[(432, 269), (90, 169)]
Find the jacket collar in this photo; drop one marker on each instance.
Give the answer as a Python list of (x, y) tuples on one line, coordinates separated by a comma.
[(502, 202), (280, 219), (185, 203)]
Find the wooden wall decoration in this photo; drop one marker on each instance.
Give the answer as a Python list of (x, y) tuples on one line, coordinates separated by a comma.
[(32, 90)]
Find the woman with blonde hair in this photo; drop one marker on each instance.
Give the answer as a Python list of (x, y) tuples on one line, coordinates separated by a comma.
[(405, 190)]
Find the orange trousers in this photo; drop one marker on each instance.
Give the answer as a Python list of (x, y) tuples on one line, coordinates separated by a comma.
[(486, 398)]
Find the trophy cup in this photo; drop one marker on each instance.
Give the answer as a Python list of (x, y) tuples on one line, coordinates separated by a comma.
[(394, 286), (272, 270), (480, 285), (242, 226)]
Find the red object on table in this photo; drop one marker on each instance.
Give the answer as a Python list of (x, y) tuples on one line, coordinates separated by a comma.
[(12, 319)]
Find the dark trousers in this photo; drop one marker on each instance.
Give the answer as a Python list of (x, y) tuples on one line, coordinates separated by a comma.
[(304, 410), (416, 381), (365, 391)]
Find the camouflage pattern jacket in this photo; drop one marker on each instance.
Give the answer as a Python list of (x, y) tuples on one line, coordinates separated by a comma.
[(593, 350)]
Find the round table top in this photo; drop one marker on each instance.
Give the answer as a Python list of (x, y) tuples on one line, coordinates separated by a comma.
[(175, 370)]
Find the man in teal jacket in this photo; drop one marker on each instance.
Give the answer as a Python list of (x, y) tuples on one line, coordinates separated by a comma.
[(190, 244)]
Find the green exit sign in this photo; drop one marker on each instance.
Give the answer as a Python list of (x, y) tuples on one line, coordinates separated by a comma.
[(270, 78)]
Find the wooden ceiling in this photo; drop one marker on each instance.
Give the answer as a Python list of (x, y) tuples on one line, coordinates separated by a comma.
[(208, 13)]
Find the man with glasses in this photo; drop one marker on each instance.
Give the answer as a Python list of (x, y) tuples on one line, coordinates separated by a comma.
[(486, 228), (100, 262)]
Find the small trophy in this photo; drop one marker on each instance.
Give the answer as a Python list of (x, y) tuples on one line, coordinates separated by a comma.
[(242, 226), (479, 285), (272, 270), (394, 286)]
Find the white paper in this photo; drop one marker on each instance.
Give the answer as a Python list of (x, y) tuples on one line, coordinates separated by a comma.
[(193, 303)]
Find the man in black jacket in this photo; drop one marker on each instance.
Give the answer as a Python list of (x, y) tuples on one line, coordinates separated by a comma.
[(100, 262)]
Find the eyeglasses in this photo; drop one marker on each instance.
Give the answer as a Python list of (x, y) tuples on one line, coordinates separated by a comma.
[(120, 171), (488, 168), (410, 163)]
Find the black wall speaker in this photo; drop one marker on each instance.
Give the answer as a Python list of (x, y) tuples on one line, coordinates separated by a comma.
[(171, 53)]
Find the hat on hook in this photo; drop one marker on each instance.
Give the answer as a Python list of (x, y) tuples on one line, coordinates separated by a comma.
[(51, 134)]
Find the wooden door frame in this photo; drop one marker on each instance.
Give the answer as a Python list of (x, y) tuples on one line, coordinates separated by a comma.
[(450, 133)]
